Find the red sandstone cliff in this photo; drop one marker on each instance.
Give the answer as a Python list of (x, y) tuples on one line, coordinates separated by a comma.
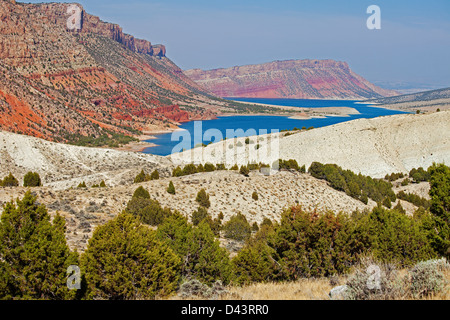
[(59, 83), (297, 79)]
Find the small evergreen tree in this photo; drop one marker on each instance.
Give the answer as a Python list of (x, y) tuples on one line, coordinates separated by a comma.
[(171, 188), (201, 253), (255, 196), (9, 181), (209, 167), (199, 215), (244, 170), (141, 177), (32, 179), (154, 175), (82, 185), (177, 172), (203, 198), (124, 260), (141, 192), (103, 184), (34, 255), (238, 228)]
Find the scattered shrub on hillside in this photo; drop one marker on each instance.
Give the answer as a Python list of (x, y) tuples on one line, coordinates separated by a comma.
[(103, 184), (141, 177), (177, 172), (244, 170), (307, 244), (154, 175), (148, 210), (255, 196), (254, 263), (203, 258), (210, 167), (394, 176), (82, 185), (34, 255), (419, 175), (9, 181), (32, 179), (399, 208), (189, 169), (199, 215), (221, 167), (387, 203), (124, 260), (238, 228), (405, 182), (290, 164), (418, 201), (203, 198), (141, 192), (171, 188), (234, 168), (356, 186), (266, 222)]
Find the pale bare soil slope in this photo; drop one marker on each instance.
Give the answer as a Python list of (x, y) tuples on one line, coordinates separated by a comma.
[(63, 166), (374, 147)]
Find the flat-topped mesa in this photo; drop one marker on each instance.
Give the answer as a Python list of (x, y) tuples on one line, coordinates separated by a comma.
[(294, 79)]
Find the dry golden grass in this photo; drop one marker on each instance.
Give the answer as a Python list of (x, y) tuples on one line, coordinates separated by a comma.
[(305, 289)]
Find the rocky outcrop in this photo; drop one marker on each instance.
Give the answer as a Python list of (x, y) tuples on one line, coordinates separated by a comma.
[(297, 79)]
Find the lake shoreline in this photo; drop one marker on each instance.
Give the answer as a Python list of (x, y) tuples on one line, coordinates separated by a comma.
[(310, 113)]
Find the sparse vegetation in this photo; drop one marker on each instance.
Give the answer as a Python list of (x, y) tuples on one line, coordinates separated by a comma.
[(32, 179), (203, 199), (238, 228), (171, 188), (356, 186), (9, 181)]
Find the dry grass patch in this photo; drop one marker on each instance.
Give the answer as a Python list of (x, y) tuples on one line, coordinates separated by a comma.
[(305, 289)]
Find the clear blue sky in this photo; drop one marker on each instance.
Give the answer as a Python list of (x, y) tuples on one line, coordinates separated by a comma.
[(413, 45)]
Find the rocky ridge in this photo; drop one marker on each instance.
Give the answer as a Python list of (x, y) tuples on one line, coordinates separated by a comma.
[(295, 79), (61, 84)]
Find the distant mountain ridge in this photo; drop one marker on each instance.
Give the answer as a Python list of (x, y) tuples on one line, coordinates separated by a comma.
[(296, 79), (414, 97)]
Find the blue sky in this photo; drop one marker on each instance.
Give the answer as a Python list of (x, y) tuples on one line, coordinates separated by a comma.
[(412, 46)]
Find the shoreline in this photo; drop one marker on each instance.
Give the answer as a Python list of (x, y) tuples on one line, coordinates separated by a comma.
[(301, 114)]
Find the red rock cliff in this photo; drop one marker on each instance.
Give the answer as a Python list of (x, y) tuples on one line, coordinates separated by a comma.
[(297, 79)]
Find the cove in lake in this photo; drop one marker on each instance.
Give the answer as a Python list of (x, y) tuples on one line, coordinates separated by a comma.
[(165, 145)]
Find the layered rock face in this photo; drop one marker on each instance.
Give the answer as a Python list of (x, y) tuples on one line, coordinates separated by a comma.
[(296, 79), (65, 74)]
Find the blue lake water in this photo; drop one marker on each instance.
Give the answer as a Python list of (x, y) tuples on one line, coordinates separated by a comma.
[(258, 123)]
